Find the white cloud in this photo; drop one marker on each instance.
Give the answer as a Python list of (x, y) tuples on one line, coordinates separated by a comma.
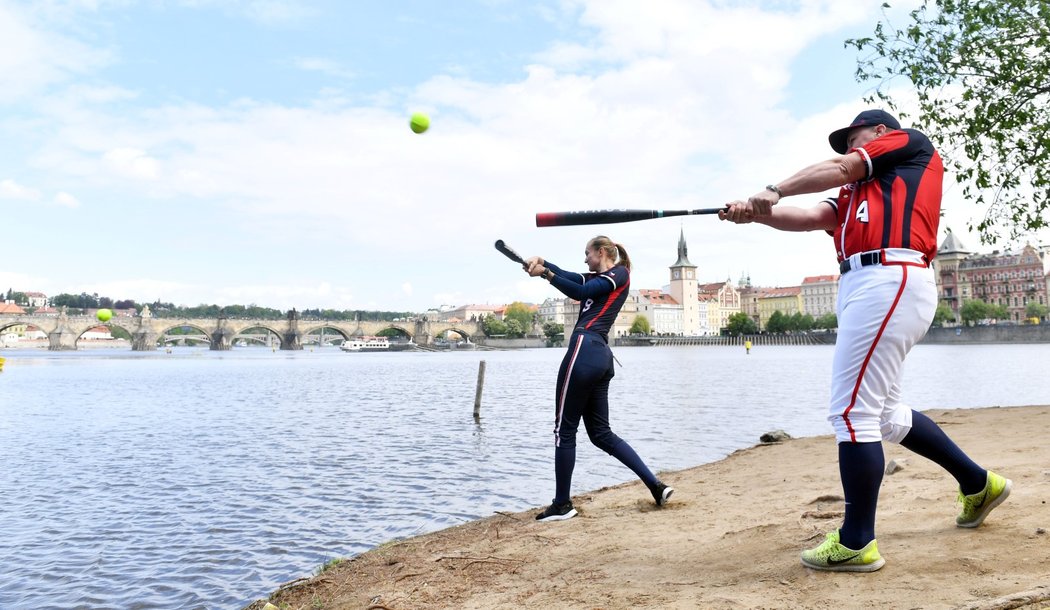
[(676, 105), (267, 12), (278, 296), (324, 66), (20, 282), (89, 94), (9, 189), (275, 12), (141, 290), (133, 163), (495, 155), (697, 33), (34, 58), (66, 200)]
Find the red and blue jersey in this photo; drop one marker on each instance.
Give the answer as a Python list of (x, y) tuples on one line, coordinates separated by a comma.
[(601, 295), (898, 204)]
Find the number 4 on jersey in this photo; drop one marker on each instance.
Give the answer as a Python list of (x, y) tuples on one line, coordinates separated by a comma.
[(862, 211)]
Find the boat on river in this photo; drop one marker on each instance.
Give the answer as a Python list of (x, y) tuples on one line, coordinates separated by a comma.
[(375, 344)]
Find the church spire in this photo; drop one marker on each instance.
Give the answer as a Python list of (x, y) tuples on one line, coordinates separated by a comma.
[(683, 253)]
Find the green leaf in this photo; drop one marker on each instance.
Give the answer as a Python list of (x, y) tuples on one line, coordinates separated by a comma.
[(994, 58)]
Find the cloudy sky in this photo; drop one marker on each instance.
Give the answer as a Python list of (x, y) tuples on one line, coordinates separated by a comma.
[(258, 151)]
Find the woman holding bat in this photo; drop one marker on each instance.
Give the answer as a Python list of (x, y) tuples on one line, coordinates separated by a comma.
[(582, 390)]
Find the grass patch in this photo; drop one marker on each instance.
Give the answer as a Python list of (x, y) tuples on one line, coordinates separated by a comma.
[(328, 565)]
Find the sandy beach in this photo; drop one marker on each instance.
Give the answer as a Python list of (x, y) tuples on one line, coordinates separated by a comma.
[(730, 538)]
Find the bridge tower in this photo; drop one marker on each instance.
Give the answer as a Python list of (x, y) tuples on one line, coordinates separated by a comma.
[(422, 334), (144, 338), (292, 339), (222, 338), (62, 338)]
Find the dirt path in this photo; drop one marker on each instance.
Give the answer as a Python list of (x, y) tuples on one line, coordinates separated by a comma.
[(730, 538)]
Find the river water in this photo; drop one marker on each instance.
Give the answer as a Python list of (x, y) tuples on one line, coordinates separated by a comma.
[(201, 479)]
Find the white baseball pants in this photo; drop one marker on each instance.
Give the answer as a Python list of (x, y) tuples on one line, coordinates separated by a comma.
[(883, 310)]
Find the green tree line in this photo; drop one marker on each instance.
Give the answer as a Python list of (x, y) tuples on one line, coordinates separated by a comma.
[(780, 323), (980, 72), (77, 303)]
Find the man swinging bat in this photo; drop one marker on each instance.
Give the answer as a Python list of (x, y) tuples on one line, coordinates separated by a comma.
[(884, 224)]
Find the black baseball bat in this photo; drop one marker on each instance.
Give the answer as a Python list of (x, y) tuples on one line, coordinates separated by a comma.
[(601, 217), (509, 252)]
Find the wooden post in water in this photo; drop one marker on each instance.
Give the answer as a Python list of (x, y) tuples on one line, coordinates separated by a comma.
[(477, 393)]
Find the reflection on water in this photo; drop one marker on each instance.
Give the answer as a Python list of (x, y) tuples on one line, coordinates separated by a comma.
[(205, 479)]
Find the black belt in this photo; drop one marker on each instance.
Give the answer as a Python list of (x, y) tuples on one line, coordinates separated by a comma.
[(866, 259)]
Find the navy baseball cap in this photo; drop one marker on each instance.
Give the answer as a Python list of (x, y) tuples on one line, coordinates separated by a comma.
[(868, 118)]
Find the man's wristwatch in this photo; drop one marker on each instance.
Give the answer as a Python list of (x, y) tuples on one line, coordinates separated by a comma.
[(775, 189), (547, 275)]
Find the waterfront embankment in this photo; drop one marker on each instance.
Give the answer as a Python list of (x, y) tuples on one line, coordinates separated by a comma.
[(953, 335), (730, 539), (992, 333)]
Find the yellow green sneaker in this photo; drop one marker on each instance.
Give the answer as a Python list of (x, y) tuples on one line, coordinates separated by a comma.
[(977, 506), (834, 557)]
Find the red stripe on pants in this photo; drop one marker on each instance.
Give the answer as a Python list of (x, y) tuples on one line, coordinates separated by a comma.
[(867, 358)]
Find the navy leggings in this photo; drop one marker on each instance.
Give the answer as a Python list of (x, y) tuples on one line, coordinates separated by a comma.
[(583, 393)]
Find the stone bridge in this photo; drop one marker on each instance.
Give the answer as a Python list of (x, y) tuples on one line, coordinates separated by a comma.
[(146, 331)]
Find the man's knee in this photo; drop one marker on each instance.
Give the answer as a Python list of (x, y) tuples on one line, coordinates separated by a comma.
[(856, 429), (896, 423), (894, 432)]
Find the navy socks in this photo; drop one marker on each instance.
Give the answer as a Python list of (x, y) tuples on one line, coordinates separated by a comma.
[(627, 456), (860, 466), (928, 440), (564, 462)]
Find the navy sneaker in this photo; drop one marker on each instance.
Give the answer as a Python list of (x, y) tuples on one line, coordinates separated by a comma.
[(661, 493), (557, 512)]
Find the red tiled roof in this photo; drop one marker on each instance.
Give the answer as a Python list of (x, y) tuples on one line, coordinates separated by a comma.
[(715, 287), (11, 308), (786, 291), (662, 299)]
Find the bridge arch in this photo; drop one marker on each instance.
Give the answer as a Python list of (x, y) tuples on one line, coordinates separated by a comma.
[(4, 325), (400, 331), (327, 333), (29, 327), (271, 337), (148, 331), (463, 334), (126, 327), (163, 338)]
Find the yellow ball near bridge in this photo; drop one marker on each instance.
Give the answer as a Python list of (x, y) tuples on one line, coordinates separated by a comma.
[(104, 315)]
